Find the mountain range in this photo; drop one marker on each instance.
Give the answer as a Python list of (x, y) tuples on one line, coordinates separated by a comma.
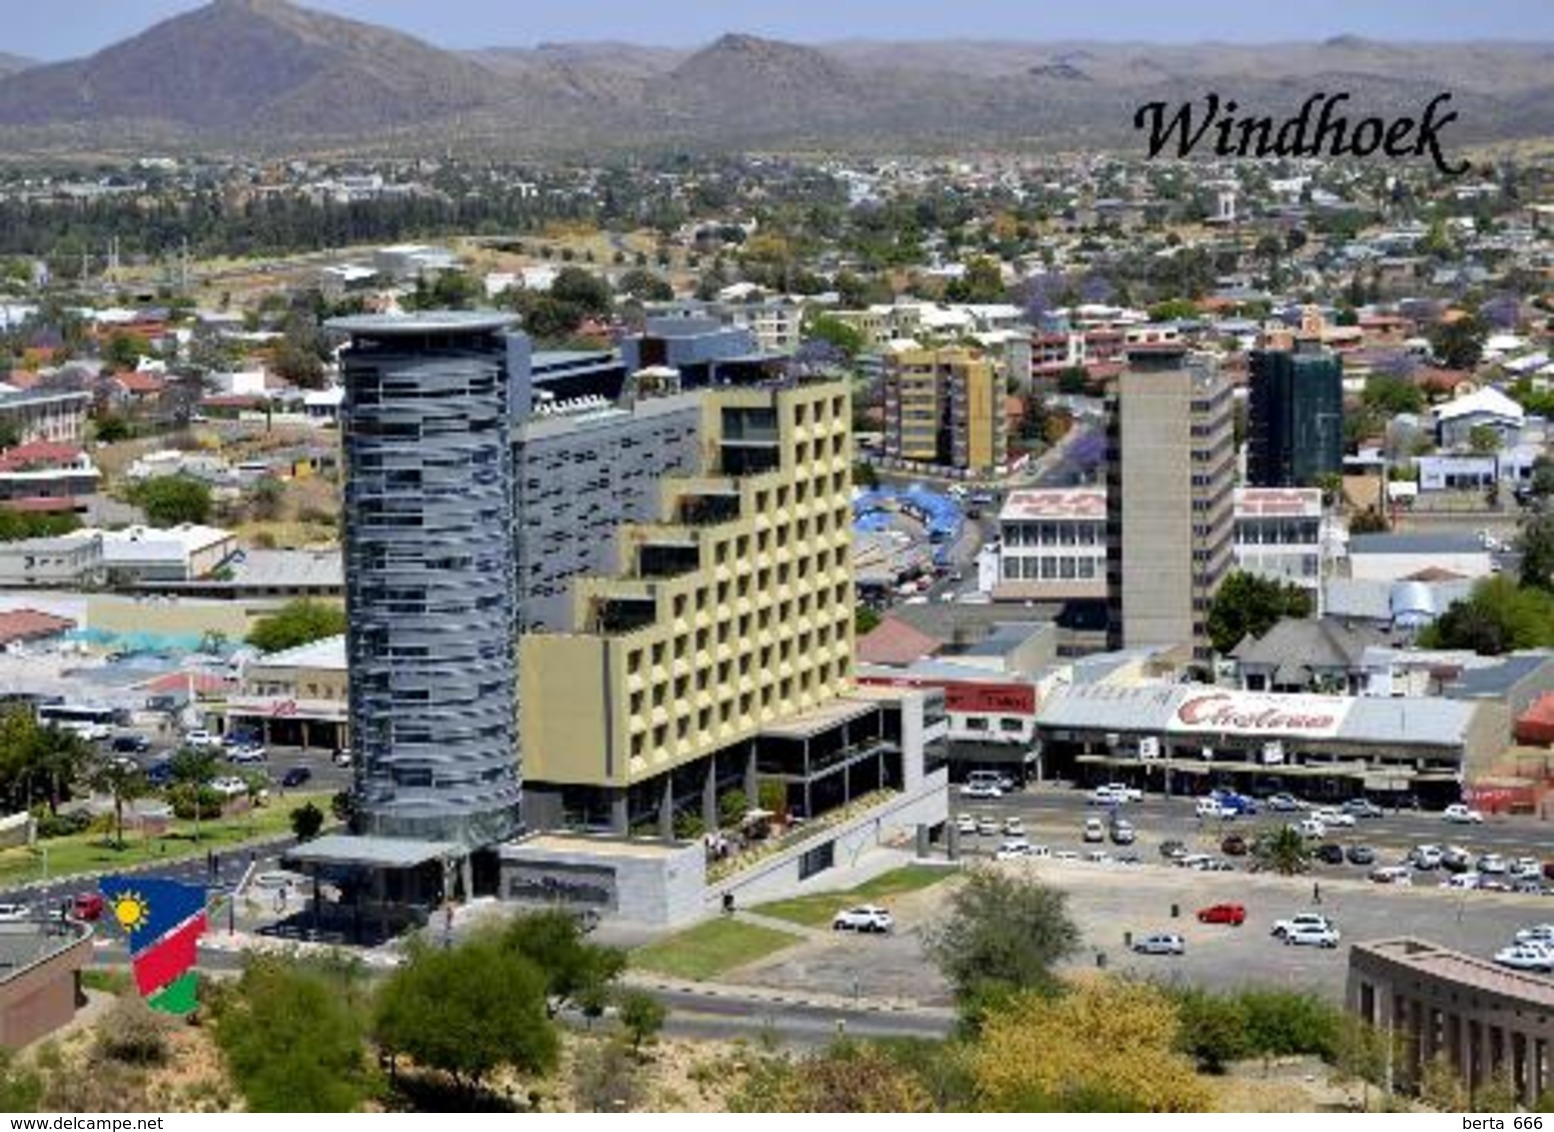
[(271, 74)]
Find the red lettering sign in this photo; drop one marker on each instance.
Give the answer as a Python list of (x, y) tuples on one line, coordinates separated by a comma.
[(1224, 711), (969, 697)]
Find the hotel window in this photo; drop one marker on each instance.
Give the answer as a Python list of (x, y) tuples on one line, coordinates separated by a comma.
[(658, 654)]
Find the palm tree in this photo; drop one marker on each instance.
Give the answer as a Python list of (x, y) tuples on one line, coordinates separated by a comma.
[(1283, 850), (195, 768), (124, 782), (60, 757)]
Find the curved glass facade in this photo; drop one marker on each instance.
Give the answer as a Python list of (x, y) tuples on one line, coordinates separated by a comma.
[(429, 581)]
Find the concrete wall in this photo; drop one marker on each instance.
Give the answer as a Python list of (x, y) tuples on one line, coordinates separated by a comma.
[(39, 997), (656, 884)]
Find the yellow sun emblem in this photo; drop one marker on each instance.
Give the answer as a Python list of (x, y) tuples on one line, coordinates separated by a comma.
[(130, 910)]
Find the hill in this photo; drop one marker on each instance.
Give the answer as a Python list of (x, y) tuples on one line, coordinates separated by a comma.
[(269, 74)]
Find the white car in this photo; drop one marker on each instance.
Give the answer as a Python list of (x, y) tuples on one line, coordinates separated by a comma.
[(1524, 957), (1392, 874), (1334, 817), (201, 740), (1095, 829), (1311, 829), (11, 913), (248, 755), (1312, 936), (1466, 882), (986, 826), (1014, 827), (1302, 921), (1462, 815), (981, 790), (966, 825), (863, 918), (1211, 808), (1426, 856), (1016, 848), (1103, 796), (231, 786), (1528, 867), (1123, 792), (1493, 864), (1161, 943), (1538, 933)]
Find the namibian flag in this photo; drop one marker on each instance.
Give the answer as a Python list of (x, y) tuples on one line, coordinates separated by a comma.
[(164, 919)]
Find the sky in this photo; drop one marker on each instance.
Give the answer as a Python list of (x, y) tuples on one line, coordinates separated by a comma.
[(62, 29)]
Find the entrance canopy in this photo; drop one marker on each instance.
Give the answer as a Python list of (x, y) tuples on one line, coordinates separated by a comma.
[(373, 852)]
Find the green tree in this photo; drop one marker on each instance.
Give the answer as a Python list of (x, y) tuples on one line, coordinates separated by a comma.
[(1003, 934), (57, 758), (293, 1037), (1459, 344), (865, 620), (1282, 850), (583, 289), (1213, 1028), (171, 500), (123, 782), (1542, 483), (1536, 544), (1173, 310), (1483, 440), (572, 968), (1364, 1054), (1368, 522), (843, 335), (467, 1011), (983, 282), (864, 475), (297, 363), (732, 807), (124, 351), (1495, 618), (297, 623), (110, 429), (645, 286), (642, 1014), (306, 821), (194, 768), (1389, 394), (1250, 604)]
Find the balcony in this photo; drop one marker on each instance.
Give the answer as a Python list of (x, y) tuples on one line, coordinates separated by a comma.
[(616, 616), (707, 508), (668, 558), (748, 458)]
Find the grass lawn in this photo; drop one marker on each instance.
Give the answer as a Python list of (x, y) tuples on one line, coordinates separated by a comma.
[(710, 948), (92, 852), (816, 909)]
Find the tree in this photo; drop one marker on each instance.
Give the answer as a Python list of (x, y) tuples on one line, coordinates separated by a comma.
[(1495, 618), (572, 968), (1368, 522), (293, 1037), (1536, 544), (644, 286), (1282, 850), (847, 1077), (865, 620), (864, 476), (123, 782), (297, 623), (583, 289), (732, 807), (466, 1011), (1484, 440), (843, 335), (1542, 483), (1250, 604), (1459, 343), (194, 768), (342, 806), (1392, 395), (1003, 933), (296, 363), (266, 497), (110, 429), (124, 351), (1213, 1028), (1440, 1086), (642, 1014), (171, 500), (982, 282), (1105, 1041), (1364, 1054), (57, 757), (306, 821)]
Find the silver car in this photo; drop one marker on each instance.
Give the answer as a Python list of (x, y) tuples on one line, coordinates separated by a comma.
[(1161, 943)]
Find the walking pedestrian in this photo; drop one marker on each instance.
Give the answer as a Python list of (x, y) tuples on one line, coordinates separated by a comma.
[(1316, 892)]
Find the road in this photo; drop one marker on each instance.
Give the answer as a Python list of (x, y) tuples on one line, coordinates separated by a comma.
[(1055, 816), (726, 1015)]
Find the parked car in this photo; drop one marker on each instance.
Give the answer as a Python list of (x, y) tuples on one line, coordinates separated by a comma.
[(1425, 857), (1455, 859), (1462, 815), (1392, 874), (1124, 792), (986, 825), (863, 918), (87, 906), (160, 773), (1360, 855), (1330, 854), (1016, 848), (341, 758), (1363, 808), (1285, 803), (1172, 849), (1538, 933), (296, 776), (1233, 846), (1123, 833), (130, 745), (1214, 809), (1233, 914), (201, 740), (242, 756), (1493, 864), (1311, 829), (1312, 936), (1095, 829), (1332, 817), (981, 790), (11, 913), (1466, 882), (1300, 920), (966, 825), (1161, 943), (1014, 827), (1523, 957), (231, 785)]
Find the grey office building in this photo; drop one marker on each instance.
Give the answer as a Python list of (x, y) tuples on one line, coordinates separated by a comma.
[(580, 476), (429, 574), (1170, 499)]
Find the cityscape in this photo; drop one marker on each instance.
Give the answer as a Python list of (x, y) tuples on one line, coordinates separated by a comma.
[(737, 574)]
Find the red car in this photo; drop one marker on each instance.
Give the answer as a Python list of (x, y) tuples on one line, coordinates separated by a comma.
[(87, 906), (1233, 914)]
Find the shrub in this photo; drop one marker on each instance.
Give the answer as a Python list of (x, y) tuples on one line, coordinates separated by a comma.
[(131, 1033)]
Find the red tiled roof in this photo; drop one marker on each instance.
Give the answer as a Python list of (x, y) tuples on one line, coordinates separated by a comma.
[(38, 452), (141, 382), (894, 642), (31, 625), (201, 683), (1434, 574)]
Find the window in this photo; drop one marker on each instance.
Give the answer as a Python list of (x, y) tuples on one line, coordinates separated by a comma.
[(976, 723), (1009, 723)]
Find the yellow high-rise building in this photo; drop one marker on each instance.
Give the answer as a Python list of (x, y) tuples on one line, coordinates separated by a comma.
[(732, 612), (944, 407)]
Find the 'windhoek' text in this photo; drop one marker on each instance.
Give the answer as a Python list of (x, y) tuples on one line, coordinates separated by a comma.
[(1312, 132)]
